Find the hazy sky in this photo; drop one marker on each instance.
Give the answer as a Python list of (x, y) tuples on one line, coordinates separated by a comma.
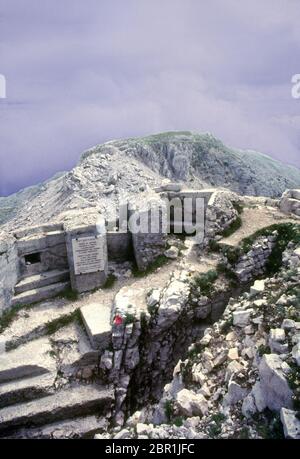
[(80, 72)]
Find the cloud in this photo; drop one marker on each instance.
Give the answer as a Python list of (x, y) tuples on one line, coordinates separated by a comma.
[(80, 73)]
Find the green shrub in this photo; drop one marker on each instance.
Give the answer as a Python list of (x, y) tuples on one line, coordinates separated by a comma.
[(215, 427), (214, 246), (238, 207), (160, 261), (129, 318), (233, 227), (224, 329), (178, 421), (169, 409), (228, 273), (205, 282), (262, 349)]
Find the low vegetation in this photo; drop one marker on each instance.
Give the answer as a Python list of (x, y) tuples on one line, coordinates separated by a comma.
[(233, 227), (63, 321), (110, 281), (204, 282), (9, 315), (160, 261)]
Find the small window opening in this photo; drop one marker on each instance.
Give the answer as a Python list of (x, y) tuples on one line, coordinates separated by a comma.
[(32, 258)]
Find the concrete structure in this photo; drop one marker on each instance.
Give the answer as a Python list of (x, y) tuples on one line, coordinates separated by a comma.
[(96, 318), (40, 262)]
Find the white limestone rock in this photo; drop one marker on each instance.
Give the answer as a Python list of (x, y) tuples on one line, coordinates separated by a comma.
[(274, 385), (241, 318), (191, 404), (291, 424)]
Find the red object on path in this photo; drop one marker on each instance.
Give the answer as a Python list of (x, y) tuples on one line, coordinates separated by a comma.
[(118, 320)]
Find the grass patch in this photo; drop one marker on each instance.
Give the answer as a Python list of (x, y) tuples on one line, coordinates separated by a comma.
[(205, 282), (215, 427), (262, 350), (268, 425), (160, 261), (214, 246), (238, 207), (110, 281), (63, 321), (228, 273), (10, 314), (233, 227), (69, 294)]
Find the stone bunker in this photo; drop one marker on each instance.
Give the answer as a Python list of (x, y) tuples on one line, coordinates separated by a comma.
[(38, 263)]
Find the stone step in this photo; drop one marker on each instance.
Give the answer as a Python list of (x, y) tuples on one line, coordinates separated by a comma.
[(27, 389), (41, 280), (83, 427), (65, 404), (32, 359), (96, 318), (40, 294)]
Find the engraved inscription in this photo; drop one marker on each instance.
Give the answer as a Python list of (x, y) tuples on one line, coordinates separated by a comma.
[(88, 255)]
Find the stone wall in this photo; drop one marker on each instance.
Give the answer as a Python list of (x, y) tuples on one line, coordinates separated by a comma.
[(9, 270), (147, 223), (48, 242), (147, 344), (253, 263), (290, 202), (220, 213)]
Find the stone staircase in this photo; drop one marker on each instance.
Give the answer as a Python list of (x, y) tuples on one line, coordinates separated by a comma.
[(65, 404), (40, 287), (31, 406)]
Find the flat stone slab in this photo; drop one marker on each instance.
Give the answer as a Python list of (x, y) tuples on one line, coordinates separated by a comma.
[(26, 389), (291, 424), (83, 427), (32, 359), (39, 294), (41, 280), (96, 318), (65, 404)]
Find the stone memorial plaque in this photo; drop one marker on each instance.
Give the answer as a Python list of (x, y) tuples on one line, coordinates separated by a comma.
[(88, 254)]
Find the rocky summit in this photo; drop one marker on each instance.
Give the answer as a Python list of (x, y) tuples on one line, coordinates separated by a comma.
[(107, 332), (119, 169)]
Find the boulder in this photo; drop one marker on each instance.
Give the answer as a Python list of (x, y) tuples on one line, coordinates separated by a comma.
[(258, 287), (172, 252), (241, 318), (296, 353), (191, 404), (291, 424), (273, 382), (235, 393)]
